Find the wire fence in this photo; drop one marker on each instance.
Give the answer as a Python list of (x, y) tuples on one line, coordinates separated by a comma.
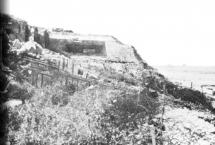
[(42, 74), (208, 89)]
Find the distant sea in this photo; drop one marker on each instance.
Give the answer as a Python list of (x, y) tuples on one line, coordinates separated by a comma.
[(185, 75)]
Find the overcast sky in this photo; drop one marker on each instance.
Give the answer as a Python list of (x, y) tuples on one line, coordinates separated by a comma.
[(163, 31)]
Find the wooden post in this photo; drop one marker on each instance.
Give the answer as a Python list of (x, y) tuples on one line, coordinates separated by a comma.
[(73, 65), (77, 84), (32, 77), (41, 81), (63, 63), (152, 131), (138, 98), (58, 65), (36, 78), (191, 85), (202, 89), (66, 82)]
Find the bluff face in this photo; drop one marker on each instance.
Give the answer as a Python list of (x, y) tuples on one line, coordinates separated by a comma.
[(90, 54), (60, 40), (127, 91)]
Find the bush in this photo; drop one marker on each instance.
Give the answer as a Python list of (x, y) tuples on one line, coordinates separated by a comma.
[(194, 97), (43, 121), (72, 120), (20, 91), (122, 78), (126, 120), (97, 115), (189, 95), (42, 125)]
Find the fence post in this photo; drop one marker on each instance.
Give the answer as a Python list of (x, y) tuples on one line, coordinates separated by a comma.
[(36, 78), (77, 84), (152, 131), (58, 65), (32, 77), (73, 65), (202, 89), (41, 80), (66, 82), (63, 63)]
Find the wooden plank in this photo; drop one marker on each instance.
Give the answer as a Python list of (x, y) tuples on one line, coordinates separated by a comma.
[(38, 62), (34, 60), (46, 74), (44, 66), (79, 78), (38, 68)]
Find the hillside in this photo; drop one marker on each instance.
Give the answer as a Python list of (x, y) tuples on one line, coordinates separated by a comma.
[(68, 88)]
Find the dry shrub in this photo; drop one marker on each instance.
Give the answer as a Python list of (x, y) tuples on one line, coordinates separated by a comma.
[(46, 125), (126, 120), (22, 91), (121, 78), (40, 121), (189, 96), (96, 115)]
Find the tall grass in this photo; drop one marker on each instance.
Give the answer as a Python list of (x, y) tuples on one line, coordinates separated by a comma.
[(96, 115)]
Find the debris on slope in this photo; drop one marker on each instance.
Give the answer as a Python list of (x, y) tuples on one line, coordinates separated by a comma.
[(184, 126)]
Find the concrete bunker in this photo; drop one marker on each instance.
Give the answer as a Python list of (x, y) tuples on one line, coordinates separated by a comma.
[(86, 47)]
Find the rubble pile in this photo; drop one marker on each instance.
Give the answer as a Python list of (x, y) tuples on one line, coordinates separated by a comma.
[(184, 126)]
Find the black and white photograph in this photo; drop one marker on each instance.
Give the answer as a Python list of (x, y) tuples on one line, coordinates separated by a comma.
[(107, 72)]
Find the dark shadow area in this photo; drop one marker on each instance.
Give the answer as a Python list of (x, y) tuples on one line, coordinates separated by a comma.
[(86, 47), (4, 73)]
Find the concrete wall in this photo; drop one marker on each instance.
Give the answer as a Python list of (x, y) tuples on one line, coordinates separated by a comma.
[(114, 49), (120, 52)]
